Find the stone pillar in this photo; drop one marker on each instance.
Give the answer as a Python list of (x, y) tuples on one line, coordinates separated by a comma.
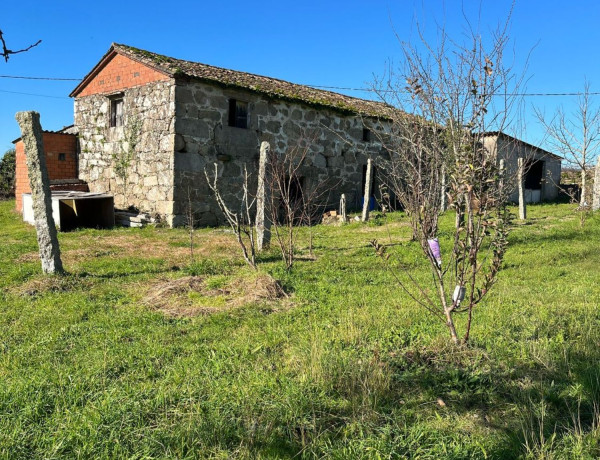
[(521, 179), (367, 198), (343, 208), (31, 133), (263, 225), (596, 200)]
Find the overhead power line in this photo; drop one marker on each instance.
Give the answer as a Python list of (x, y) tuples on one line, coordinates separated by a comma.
[(39, 78), (33, 94), (338, 88), (371, 90)]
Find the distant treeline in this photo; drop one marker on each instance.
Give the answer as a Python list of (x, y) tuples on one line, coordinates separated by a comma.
[(7, 175)]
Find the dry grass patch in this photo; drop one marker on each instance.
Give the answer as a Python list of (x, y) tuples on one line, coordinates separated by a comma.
[(200, 295), (131, 245), (50, 283)]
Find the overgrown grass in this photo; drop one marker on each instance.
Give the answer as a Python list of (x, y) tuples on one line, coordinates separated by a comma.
[(353, 370)]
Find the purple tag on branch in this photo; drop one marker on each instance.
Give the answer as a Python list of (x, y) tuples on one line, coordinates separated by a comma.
[(434, 247)]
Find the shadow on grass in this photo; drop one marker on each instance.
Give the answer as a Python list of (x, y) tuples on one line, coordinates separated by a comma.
[(522, 403), (528, 238)]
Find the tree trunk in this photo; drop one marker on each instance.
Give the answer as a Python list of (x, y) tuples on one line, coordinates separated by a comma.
[(443, 203), (582, 198)]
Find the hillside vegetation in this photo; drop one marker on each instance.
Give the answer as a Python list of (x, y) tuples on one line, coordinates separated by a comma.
[(138, 353)]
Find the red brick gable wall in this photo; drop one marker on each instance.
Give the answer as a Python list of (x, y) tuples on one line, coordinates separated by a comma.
[(121, 73), (54, 144)]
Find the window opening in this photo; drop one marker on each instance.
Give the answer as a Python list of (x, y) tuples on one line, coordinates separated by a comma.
[(366, 137), (238, 114), (116, 112)]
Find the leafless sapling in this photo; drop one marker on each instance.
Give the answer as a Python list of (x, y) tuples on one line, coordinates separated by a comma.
[(294, 200), (190, 218), (241, 222), (576, 138), (448, 97)]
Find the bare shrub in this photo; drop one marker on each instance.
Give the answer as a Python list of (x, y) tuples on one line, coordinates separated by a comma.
[(437, 154), (241, 222), (293, 200)]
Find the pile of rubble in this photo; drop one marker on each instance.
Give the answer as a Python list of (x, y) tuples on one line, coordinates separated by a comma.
[(133, 219), (333, 218)]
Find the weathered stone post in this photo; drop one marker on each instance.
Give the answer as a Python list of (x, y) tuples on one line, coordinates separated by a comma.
[(596, 190), (263, 225), (367, 198), (521, 179), (501, 173), (31, 133), (343, 208)]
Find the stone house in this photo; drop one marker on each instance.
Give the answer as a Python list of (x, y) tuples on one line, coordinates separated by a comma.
[(542, 168), (149, 125)]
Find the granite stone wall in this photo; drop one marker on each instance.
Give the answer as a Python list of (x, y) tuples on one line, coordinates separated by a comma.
[(336, 149), (135, 162)]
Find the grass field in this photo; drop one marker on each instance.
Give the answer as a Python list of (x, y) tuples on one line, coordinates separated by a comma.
[(128, 357)]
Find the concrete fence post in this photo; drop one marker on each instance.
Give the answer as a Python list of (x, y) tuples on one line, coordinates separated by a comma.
[(367, 197), (596, 199), (521, 179), (343, 208)]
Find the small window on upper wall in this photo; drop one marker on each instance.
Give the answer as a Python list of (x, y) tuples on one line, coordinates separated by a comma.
[(116, 111), (238, 113), (366, 135), (62, 157)]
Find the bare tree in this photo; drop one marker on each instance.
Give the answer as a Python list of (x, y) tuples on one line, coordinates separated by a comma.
[(294, 201), (190, 220), (6, 52), (241, 222), (455, 93), (576, 137)]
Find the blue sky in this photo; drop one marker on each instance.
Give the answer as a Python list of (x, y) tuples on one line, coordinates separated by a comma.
[(328, 43)]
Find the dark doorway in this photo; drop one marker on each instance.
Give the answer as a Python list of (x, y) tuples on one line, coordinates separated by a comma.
[(292, 190), (534, 174), (296, 185)]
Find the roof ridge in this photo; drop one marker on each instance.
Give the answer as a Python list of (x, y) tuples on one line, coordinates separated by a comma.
[(271, 86), (246, 73)]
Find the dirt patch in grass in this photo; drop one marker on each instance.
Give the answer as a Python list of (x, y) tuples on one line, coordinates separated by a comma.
[(28, 257), (200, 295)]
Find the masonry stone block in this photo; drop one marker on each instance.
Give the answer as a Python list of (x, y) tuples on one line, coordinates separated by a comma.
[(319, 161), (184, 95), (273, 127)]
